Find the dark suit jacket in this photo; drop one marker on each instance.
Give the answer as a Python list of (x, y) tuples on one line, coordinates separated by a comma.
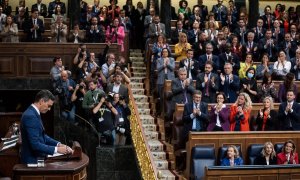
[(253, 50), (261, 160), (235, 61), (188, 121), (272, 123), (35, 143), (175, 35), (211, 97), (178, 92), (230, 89), (30, 35), (123, 91), (258, 35), (291, 50), (293, 118), (293, 69), (194, 69), (43, 11), (263, 48), (203, 59), (265, 20), (95, 36)]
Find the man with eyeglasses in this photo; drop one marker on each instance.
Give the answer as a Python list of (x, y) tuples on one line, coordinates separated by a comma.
[(35, 143)]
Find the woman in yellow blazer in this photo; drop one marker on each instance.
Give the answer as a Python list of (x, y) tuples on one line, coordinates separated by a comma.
[(244, 66), (181, 47)]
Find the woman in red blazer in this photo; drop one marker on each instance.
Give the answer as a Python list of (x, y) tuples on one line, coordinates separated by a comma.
[(240, 113), (288, 154)]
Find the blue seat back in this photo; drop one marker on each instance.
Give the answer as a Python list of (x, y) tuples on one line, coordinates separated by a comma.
[(254, 150), (278, 147)]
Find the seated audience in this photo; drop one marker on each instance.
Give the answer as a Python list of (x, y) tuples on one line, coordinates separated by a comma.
[(104, 114), (232, 157), (34, 27), (267, 88), (264, 67), (10, 31), (289, 113), (219, 115), (59, 31), (240, 113), (229, 83), (288, 84), (122, 122), (76, 35), (248, 84), (115, 34), (181, 47), (207, 83), (282, 66), (267, 156), (288, 154), (267, 118)]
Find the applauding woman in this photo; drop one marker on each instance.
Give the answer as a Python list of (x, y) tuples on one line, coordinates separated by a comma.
[(116, 34), (268, 155), (181, 47), (240, 113), (266, 119), (219, 115), (288, 154), (232, 158), (10, 31)]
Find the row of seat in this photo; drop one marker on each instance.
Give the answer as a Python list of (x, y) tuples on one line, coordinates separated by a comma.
[(203, 156)]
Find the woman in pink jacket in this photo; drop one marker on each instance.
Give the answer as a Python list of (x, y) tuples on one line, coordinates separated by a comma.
[(115, 34)]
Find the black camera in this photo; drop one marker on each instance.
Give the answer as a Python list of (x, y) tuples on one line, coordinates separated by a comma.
[(121, 98), (81, 87)]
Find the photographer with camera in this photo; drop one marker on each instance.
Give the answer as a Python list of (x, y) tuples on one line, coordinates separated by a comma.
[(118, 87), (122, 122), (104, 115), (77, 97), (64, 90)]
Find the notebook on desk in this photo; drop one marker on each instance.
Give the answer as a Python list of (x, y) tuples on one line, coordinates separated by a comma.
[(77, 153)]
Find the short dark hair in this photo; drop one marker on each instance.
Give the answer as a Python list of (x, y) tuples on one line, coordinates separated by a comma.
[(45, 95), (55, 59), (34, 10), (197, 92)]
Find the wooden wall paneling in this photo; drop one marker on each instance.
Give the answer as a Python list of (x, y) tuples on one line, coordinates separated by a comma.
[(8, 65)]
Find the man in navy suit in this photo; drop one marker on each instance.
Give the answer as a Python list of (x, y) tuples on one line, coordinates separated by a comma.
[(209, 57), (289, 113), (42, 8), (35, 143), (34, 27), (195, 116)]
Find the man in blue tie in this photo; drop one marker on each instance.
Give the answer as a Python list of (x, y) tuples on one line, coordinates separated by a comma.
[(195, 116), (35, 143)]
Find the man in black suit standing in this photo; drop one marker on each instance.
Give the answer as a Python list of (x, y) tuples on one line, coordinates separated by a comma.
[(34, 27), (190, 64), (229, 57), (195, 117), (175, 32), (289, 113), (41, 7)]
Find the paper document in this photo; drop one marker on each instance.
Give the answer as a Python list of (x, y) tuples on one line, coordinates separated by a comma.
[(55, 155)]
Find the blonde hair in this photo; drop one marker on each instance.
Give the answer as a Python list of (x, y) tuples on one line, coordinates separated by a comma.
[(248, 102), (182, 35), (263, 152), (271, 101), (236, 152)]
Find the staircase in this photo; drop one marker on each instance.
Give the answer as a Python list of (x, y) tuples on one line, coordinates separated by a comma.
[(162, 152)]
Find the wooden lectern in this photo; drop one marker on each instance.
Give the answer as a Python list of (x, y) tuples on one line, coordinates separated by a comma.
[(56, 168)]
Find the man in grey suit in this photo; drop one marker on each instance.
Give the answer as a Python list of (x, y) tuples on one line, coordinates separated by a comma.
[(182, 89), (156, 28), (118, 87), (207, 83)]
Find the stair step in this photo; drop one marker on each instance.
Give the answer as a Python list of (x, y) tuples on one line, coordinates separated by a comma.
[(139, 74), (136, 54), (162, 164), (137, 79), (134, 57), (135, 85), (138, 70), (150, 127), (138, 91), (155, 145), (151, 135), (144, 111), (159, 155), (147, 119), (135, 50), (166, 175), (140, 98), (142, 105), (138, 63)]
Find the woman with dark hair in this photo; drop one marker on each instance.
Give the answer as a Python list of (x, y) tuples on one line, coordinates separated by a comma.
[(267, 88), (219, 115), (236, 46), (268, 155), (103, 17), (58, 13), (264, 67), (183, 8), (277, 12), (116, 34), (10, 31), (249, 85), (113, 9), (288, 154), (120, 70), (266, 119), (288, 84)]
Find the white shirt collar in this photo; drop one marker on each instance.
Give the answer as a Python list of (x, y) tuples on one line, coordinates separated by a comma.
[(37, 110)]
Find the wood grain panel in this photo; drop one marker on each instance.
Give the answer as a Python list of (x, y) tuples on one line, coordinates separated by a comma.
[(7, 65)]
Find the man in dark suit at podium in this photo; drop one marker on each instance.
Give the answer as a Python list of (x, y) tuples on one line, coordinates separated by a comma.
[(35, 143)]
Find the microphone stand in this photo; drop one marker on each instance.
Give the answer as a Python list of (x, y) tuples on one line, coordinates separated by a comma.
[(93, 128)]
